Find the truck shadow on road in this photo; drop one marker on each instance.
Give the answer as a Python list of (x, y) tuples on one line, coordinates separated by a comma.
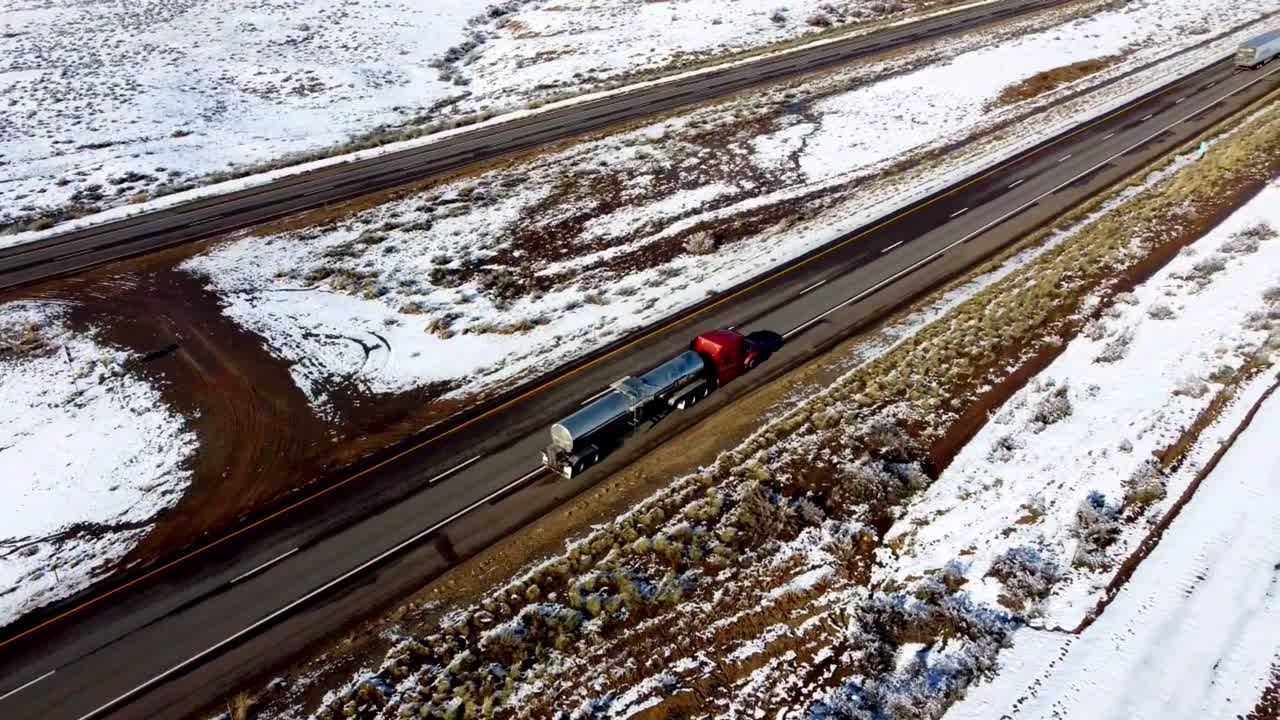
[(766, 343)]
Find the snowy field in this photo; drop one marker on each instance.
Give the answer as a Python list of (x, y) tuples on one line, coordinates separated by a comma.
[(1084, 433), (108, 103), (539, 263), (89, 455), (1193, 633)]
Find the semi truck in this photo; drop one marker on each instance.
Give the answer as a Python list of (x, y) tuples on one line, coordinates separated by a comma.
[(1259, 51), (583, 438)]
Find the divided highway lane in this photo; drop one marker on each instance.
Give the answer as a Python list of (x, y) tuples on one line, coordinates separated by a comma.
[(81, 249), (185, 640)]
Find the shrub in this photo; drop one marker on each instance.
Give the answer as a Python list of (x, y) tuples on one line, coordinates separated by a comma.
[(24, 339), (887, 440), (1261, 232), (700, 244), (1096, 528), (1204, 270), (1004, 448), (1053, 407), (1027, 574), (503, 284), (1145, 487), (241, 706), (1117, 349), (1160, 311), (779, 16), (1192, 387), (1095, 330), (1241, 244), (875, 487), (1223, 375), (945, 581), (441, 324), (820, 19)]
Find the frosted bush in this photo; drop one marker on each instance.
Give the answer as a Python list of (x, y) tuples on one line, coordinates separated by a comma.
[(1028, 575), (1005, 447), (1053, 407), (1192, 387), (1097, 526), (820, 19), (1096, 330), (1117, 349), (875, 486), (927, 685), (1202, 272), (1146, 486), (700, 244)]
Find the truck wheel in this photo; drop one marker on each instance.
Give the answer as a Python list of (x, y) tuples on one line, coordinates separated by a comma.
[(684, 403)]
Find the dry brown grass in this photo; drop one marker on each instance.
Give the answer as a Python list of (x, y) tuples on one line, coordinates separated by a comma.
[(24, 340), (1173, 455), (1043, 83), (241, 706)]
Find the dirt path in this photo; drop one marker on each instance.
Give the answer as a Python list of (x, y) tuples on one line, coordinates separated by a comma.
[(238, 398)]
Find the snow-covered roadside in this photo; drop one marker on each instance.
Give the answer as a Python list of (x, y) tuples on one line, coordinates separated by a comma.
[(368, 300), (89, 455), (1069, 449), (101, 118), (1193, 633)]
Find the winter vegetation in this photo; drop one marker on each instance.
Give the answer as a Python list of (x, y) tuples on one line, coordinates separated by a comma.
[(468, 284), (114, 105), (1195, 619), (1098, 442), (90, 455), (825, 568)]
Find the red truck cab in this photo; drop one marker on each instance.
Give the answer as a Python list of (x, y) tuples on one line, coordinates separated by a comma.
[(730, 353)]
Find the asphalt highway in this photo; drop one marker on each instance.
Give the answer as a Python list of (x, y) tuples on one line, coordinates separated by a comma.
[(74, 251), (183, 640)]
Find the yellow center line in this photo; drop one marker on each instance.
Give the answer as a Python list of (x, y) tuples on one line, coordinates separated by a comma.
[(555, 381)]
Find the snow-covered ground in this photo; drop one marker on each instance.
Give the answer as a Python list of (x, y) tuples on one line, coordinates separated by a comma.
[(1192, 634), (107, 103), (89, 454), (413, 291), (1090, 424)]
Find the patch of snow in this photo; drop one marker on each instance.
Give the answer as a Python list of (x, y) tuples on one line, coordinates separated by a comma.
[(174, 91), (1192, 633), (891, 117), (1086, 427), (90, 454)]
